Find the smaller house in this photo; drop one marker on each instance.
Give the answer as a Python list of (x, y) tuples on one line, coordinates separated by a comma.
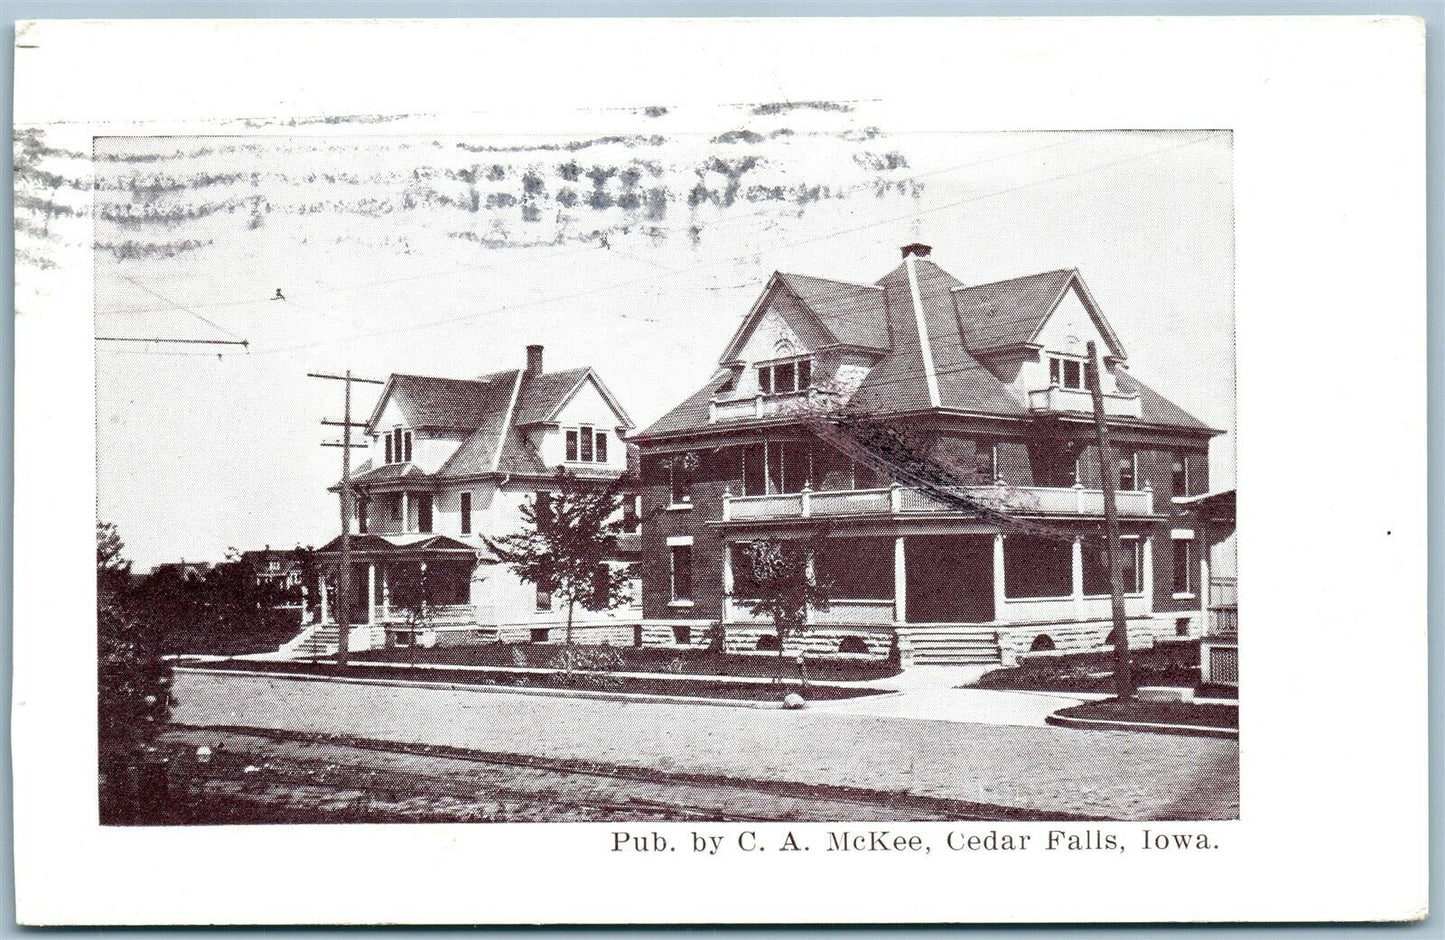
[(190, 572), (452, 461), (1219, 647)]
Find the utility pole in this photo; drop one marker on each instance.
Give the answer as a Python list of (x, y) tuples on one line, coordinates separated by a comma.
[(343, 577), (1123, 681)]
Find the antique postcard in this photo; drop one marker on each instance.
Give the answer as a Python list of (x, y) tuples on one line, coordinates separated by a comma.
[(777, 454)]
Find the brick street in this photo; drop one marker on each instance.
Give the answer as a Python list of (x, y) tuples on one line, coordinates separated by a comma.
[(1107, 774)]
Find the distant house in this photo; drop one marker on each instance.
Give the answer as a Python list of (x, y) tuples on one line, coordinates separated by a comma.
[(1219, 651), (453, 460), (988, 379), (278, 570)]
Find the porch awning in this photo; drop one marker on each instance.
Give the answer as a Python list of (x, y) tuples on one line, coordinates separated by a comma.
[(405, 548)]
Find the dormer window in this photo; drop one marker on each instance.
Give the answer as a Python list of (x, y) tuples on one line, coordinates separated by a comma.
[(586, 444), (782, 378), (398, 445), (1066, 372)]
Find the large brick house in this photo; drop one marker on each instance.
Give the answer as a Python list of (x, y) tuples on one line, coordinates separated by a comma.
[(454, 460), (991, 377)]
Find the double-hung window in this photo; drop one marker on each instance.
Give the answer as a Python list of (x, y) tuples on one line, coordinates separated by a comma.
[(1065, 372), (1181, 475), (586, 444), (680, 571), (781, 378), (1128, 470), (398, 446), (1183, 567), (466, 510)]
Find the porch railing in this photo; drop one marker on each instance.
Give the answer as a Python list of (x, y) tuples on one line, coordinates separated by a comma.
[(900, 500)]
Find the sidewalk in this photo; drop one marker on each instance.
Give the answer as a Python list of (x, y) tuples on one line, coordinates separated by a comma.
[(931, 693)]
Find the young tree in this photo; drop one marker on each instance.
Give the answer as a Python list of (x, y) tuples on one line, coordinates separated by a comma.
[(783, 584), (568, 535)]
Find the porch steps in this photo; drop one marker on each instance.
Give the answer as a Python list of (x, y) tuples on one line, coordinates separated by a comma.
[(315, 642), (953, 645)]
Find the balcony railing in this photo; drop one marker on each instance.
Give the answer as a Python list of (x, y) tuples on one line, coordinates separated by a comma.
[(901, 500), (767, 406), (1223, 623), (1055, 398)]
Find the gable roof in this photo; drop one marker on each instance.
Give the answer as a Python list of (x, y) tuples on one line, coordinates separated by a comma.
[(934, 343), (1011, 313), (832, 313), (491, 408), (429, 401)]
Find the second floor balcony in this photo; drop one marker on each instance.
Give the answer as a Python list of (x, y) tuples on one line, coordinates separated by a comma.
[(768, 405), (1055, 398), (903, 501)]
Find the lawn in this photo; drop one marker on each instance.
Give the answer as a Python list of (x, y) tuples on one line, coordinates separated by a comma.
[(1161, 713), (579, 681), (1171, 664), (675, 661), (223, 642)]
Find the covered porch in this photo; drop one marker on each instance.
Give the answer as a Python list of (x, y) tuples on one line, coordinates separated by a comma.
[(970, 575), (404, 581)]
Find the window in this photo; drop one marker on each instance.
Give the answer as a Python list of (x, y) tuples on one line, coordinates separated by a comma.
[(1183, 566), (680, 572), (466, 514), (396, 508), (273, 566), (632, 513), (767, 642), (1129, 471), (586, 444), (781, 378), (544, 602), (398, 446), (679, 481), (634, 584), (1066, 373), (1096, 567), (682, 634), (778, 467), (542, 506), (852, 644), (1036, 566), (985, 460), (1181, 475), (541, 634), (363, 510), (423, 512)]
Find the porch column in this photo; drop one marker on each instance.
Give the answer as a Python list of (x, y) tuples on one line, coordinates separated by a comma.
[(321, 592), (371, 593), (385, 596), (900, 581), (1147, 562), (1078, 578), (727, 581), (998, 577), (405, 512)]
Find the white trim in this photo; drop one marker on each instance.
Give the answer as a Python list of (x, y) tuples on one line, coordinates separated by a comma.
[(507, 420), (676, 507), (1181, 534), (929, 373), (680, 603), (675, 540)]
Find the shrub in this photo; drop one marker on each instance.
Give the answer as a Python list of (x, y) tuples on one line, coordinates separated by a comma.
[(519, 656), (587, 659)]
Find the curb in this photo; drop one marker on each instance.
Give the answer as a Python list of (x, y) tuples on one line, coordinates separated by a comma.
[(1105, 724), (506, 689)]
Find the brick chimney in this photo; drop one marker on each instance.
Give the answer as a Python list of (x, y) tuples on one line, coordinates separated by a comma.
[(534, 360), (917, 250)]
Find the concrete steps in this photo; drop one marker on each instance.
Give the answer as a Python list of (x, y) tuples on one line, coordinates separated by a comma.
[(953, 645)]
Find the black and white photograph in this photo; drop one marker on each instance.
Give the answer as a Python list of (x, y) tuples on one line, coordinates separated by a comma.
[(735, 473)]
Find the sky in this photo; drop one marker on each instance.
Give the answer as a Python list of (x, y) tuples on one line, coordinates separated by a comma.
[(634, 244)]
